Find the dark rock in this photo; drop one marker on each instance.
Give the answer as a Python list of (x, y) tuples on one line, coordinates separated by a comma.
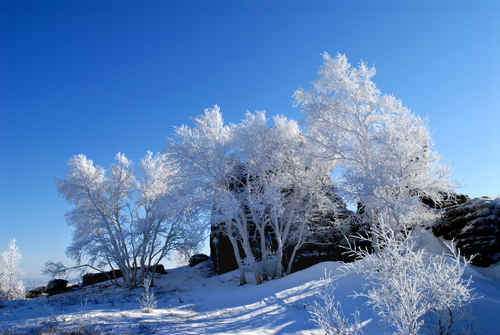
[(326, 240), (328, 244), (159, 269), (306, 258), (57, 286), (35, 292), (197, 259), (448, 199), (475, 227), (96, 278), (222, 252)]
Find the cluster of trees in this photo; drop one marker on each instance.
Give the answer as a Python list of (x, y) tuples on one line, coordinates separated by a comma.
[(10, 288), (384, 159), (268, 173), (251, 172)]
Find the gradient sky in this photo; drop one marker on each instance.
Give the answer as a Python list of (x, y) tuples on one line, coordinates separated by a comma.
[(101, 77)]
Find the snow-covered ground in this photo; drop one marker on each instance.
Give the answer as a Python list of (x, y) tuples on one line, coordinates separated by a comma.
[(191, 302)]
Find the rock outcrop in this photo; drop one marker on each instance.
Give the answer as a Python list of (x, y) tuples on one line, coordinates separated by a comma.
[(328, 244), (57, 286), (474, 224), (475, 227), (197, 259), (448, 199), (35, 292), (95, 278)]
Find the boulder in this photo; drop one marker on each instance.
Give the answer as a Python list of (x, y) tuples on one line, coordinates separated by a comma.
[(475, 227), (448, 199), (197, 259), (329, 244), (159, 269), (95, 278), (222, 252), (57, 286), (35, 292)]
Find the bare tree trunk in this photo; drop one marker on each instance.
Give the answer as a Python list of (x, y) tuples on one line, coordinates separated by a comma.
[(261, 227), (290, 261), (251, 260), (373, 223), (243, 230), (243, 280), (264, 255), (279, 254), (282, 237)]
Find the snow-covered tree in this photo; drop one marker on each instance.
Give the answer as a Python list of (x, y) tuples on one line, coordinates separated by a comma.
[(204, 154), (311, 200), (283, 187), (253, 175), (126, 219), (10, 288), (166, 222), (404, 285), (382, 150)]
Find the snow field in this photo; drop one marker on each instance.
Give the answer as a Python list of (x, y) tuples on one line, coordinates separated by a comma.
[(190, 302)]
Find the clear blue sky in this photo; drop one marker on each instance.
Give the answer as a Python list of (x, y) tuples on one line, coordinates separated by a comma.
[(101, 77)]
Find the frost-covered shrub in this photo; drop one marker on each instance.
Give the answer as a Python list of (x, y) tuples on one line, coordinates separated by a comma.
[(10, 289), (330, 316), (404, 287), (147, 299)]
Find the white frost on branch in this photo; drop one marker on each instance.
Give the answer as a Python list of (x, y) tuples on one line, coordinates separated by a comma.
[(254, 175), (383, 152), (404, 287), (10, 288), (127, 219)]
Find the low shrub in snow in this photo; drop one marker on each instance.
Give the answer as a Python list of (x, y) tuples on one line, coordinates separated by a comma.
[(330, 316), (404, 287), (147, 299)]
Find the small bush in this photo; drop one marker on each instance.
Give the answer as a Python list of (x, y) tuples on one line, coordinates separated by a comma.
[(147, 299), (330, 316)]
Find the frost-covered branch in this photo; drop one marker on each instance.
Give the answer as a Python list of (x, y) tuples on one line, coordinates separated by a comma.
[(403, 287), (383, 151), (329, 315), (125, 218), (57, 270), (10, 288)]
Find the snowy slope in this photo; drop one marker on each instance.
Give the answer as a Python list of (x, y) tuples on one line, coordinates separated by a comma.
[(191, 303)]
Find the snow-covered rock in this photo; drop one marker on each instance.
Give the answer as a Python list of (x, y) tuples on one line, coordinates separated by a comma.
[(56, 286), (197, 259), (475, 227)]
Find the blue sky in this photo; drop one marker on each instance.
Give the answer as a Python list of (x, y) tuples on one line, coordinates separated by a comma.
[(101, 77)]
